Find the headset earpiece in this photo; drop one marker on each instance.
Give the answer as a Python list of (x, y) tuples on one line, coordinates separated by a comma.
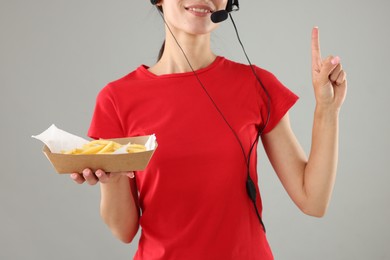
[(154, 2)]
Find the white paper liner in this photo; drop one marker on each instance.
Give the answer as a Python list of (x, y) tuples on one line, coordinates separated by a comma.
[(58, 140)]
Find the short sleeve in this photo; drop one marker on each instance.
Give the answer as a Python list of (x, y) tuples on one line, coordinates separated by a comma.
[(105, 121), (282, 99)]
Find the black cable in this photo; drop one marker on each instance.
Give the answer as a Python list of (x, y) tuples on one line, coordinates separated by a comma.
[(250, 186), (257, 77)]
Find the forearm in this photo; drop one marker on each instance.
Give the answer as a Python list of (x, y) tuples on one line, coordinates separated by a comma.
[(320, 170), (119, 209)]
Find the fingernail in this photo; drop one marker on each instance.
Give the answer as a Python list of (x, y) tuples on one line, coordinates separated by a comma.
[(335, 60), (73, 176), (99, 174)]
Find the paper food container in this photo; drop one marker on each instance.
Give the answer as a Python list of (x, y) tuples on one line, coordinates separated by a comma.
[(68, 163)]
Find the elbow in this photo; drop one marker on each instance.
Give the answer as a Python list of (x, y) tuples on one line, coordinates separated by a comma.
[(316, 211), (124, 230), (127, 237), (314, 206)]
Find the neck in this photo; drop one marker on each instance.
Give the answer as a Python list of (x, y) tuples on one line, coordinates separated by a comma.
[(196, 48)]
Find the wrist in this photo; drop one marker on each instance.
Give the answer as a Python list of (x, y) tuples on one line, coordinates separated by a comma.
[(326, 114), (116, 179), (326, 110)]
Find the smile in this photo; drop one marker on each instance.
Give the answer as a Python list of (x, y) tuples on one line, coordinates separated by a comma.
[(200, 10)]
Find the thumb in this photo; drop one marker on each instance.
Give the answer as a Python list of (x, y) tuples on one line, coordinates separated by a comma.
[(131, 175), (328, 65)]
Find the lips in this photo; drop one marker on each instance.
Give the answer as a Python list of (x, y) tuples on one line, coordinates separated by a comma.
[(199, 9)]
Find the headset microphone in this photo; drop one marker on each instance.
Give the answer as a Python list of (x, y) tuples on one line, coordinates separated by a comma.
[(222, 15), (219, 16)]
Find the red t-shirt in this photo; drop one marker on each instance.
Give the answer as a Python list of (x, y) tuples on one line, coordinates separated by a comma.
[(192, 195)]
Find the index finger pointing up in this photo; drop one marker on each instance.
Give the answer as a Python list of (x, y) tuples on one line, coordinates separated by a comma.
[(315, 47)]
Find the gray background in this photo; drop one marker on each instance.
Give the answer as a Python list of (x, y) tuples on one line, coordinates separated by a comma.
[(55, 56)]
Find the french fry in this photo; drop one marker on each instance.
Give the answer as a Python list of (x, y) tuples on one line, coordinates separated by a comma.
[(108, 148), (136, 148), (104, 147), (92, 149)]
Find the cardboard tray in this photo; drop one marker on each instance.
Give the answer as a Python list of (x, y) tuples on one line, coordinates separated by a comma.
[(69, 163)]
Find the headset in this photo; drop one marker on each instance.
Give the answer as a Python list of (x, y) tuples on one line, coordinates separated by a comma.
[(222, 15), (217, 17)]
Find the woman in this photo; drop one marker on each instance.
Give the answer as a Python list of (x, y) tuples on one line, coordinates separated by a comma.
[(192, 195)]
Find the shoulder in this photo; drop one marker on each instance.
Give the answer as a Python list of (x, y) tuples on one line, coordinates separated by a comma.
[(134, 75), (269, 82), (125, 82), (241, 69)]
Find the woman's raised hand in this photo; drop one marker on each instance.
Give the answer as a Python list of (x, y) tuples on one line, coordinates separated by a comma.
[(99, 176), (329, 78)]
